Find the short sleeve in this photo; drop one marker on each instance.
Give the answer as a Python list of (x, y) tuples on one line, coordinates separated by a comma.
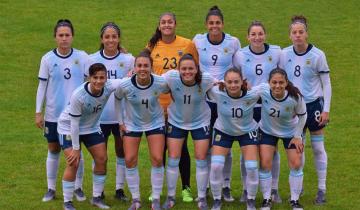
[(44, 70), (321, 64), (75, 106)]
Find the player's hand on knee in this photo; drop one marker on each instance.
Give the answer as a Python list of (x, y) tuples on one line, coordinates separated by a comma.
[(297, 142), (74, 158)]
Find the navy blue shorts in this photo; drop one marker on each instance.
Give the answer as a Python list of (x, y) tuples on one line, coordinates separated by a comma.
[(213, 109), (50, 132), (88, 140), (160, 130), (107, 129), (224, 140), (314, 110), (267, 139), (196, 134)]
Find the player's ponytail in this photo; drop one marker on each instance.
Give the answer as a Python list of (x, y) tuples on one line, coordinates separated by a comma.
[(293, 91), (66, 23), (214, 10), (157, 35), (116, 28), (198, 75)]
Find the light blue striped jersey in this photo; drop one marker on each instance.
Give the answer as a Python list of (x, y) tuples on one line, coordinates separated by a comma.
[(304, 70), (87, 106), (63, 75), (216, 59), (235, 115), (256, 67), (188, 109), (142, 109), (117, 67), (279, 117)]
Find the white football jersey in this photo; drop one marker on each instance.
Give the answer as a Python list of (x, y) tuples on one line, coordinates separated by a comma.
[(256, 67), (304, 70), (279, 117), (87, 106), (216, 59), (63, 76), (117, 67), (142, 109), (188, 109), (235, 115)]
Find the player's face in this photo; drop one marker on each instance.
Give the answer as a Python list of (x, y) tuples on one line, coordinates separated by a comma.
[(215, 25), (256, 36), (110, 39), (167, 25), (63, 37), (278, 84), (298, 34), (97, 82), (233, 82), (143, 68), (188, 71)]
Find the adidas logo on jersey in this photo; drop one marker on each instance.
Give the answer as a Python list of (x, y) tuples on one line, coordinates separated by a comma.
[(55, 65), (157, 55), (224, 102), (289, 60), (248, 60), (204, 49)]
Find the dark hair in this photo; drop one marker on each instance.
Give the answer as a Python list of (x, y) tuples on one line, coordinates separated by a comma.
[(145, 53), (66, 23), (256, 23), (244, 85), (293, 91), (299, 19), (96, 67), (157, 35), (214, 10), (110, 25), (198, 75)]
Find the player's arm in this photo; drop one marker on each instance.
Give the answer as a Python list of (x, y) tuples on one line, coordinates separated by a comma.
[(40, 93), (300, 110), (324, 72)]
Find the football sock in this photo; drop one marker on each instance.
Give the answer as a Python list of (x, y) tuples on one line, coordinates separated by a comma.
[(172, 174), (216, 175), (252, 178)]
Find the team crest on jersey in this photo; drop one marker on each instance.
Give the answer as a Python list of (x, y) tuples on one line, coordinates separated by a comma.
[(68, 138), (217, 137), (76, 62), (121, 64), (270, 58), (308, 62), (46, 130), (226, 50), (157, 55), (180, 52), (287, 109)]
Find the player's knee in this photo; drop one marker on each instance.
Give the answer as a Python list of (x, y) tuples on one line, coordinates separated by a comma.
[(157, 161), (295, 163), (130, 162), (101, 160)]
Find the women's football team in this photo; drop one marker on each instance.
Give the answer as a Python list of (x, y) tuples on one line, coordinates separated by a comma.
[(209, 87)]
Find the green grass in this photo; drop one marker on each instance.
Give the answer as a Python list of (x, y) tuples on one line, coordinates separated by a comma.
[(26, 34)]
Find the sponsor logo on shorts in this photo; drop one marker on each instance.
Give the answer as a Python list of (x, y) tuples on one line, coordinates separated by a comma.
[(169, 129), (68, 138), (217, 137)]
